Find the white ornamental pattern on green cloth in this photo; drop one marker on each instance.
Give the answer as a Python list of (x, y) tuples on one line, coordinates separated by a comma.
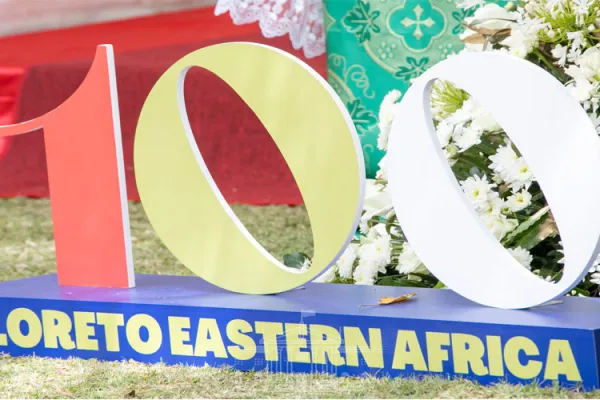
[(379, 45)]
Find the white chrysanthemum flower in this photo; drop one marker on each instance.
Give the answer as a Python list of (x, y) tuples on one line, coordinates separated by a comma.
[(377, 253), (560, 53), (511, 168), (519, 175), (561, 251), (375, 232), (387, 111), (384, 135), (530, 8), (444, 132), (372, 188), (522, 256), (519, 201), (495, 206), (499, 225), (594, 272), (590, 61), (478, 190), (581, 89), (327, 277), (473, 112), (520, 51), (505, 156), (345, 263), (588, 65), (408, 262), (365, 273), (497, 179), (575, 72), (376, 250), (467, 137), (382, 250), (382, 174), (465, 113), (378, 203), (595, 278), (450, 152), (492, 16), (392, 97), (524, 37), (484, 121)]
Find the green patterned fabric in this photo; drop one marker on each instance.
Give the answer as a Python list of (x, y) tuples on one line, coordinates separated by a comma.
[(375, 46)]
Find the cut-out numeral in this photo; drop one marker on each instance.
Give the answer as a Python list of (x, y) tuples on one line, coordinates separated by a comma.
[(86, 177), (561, 146), (311, 128)]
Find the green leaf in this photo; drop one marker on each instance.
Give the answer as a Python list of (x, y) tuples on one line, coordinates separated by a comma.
[(295, 260), (440, 285), (426, 277), (487, 146), (391, 222), (533, 231), (472, 157), (543, 230), (391, 281), (525, 226), (447, 98)]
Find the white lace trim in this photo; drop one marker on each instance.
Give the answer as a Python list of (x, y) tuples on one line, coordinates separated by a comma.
[(301, 19)]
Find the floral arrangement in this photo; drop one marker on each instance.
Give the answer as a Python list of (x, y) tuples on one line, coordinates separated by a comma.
[(561, 36)]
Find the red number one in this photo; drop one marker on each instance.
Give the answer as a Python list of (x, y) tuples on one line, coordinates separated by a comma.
[(86, 176)]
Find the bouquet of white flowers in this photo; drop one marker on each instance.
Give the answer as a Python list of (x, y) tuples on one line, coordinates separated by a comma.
[(561, 36)]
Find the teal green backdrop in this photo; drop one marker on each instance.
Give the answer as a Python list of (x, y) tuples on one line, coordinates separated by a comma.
[(378, 45)]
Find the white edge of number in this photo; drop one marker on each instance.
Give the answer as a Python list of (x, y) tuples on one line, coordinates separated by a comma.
[(116, 119)]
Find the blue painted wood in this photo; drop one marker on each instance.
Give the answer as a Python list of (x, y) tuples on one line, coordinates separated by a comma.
[(573, 325)]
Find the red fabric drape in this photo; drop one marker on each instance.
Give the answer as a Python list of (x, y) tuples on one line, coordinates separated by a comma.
[(241, 156)]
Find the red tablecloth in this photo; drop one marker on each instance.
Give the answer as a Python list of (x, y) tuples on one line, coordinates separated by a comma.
[(10, 85), (19, 52), (240, 154)]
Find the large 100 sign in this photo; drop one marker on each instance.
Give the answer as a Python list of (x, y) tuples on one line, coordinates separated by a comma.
[(316, 136)]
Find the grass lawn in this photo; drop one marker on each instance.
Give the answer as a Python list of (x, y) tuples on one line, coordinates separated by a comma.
[(27, 249)]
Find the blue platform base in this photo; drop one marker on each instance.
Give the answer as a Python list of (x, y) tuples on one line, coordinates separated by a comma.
[(316, 329)]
